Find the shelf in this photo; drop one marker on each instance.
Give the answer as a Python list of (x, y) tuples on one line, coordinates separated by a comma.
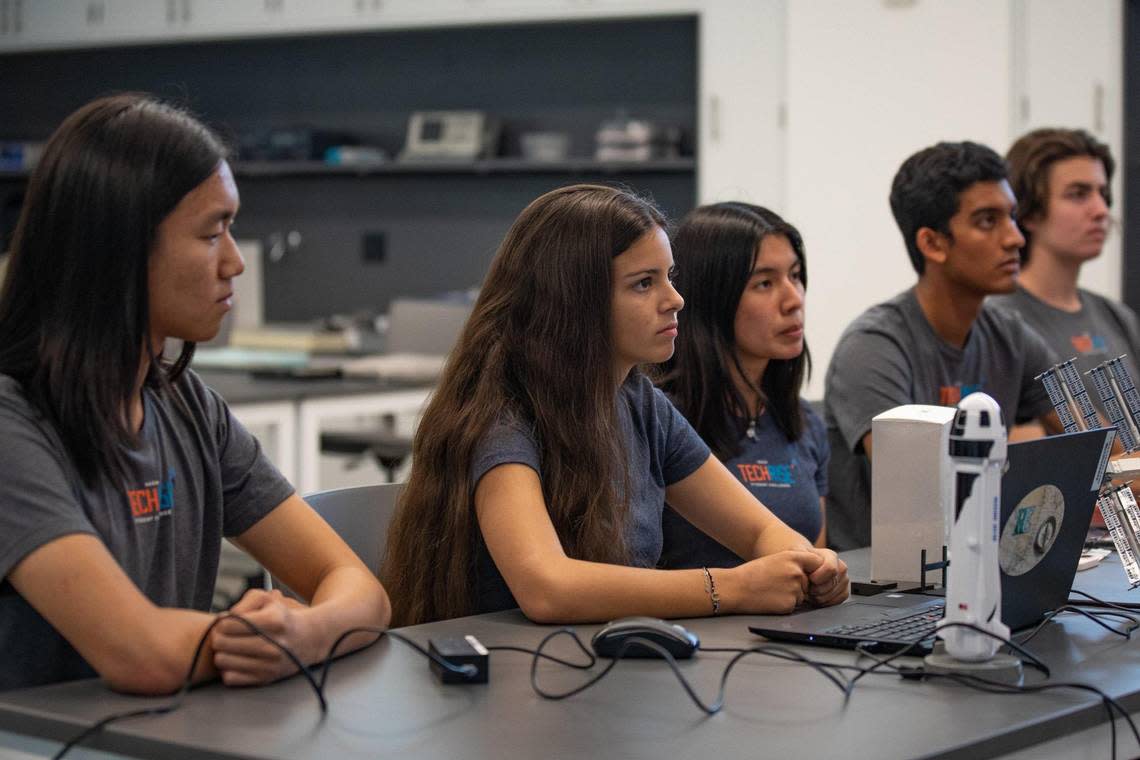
[(482, 166), (264, 169)]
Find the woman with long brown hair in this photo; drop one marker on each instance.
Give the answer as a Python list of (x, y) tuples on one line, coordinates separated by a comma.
[(542, 463)]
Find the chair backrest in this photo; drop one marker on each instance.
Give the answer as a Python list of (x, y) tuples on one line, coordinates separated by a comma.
[(360, 516)]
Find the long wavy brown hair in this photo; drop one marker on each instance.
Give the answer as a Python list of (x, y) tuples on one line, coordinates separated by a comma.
[(538, 346)]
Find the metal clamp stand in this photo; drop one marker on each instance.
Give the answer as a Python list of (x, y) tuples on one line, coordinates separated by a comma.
[(924, 567)]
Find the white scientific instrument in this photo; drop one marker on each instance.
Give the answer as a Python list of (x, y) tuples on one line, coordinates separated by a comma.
[(973, 592)]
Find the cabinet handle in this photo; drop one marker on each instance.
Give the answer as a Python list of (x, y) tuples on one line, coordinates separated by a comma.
[(1098, 107), (714, 118), (95, 13)]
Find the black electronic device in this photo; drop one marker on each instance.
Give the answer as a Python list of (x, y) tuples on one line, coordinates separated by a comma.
[(870, 588), (292, 143), (463, 652), (675, 639)]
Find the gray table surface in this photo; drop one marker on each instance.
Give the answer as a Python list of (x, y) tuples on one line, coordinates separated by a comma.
[(384, 702)]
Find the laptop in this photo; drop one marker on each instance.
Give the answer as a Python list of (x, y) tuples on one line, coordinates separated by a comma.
[(1048, 494)]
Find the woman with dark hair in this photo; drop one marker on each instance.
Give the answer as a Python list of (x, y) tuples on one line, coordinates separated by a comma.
[(542, 463), (740, 362), (120, 472)]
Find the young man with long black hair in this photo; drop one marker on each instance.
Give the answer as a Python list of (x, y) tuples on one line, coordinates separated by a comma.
[(120, 472)]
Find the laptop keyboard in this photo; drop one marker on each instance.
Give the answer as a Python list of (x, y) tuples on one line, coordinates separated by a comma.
[(915, 627)]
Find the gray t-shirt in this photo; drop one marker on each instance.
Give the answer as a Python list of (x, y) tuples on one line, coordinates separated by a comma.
[(192, 480), (890, 355), (662, 449), (1100, 331), (788, 477)]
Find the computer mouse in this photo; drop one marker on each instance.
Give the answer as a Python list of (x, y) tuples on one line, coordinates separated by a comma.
[(675, 639)]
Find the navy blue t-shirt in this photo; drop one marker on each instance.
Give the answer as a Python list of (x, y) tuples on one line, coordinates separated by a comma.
[(662, 449), (788, 477)]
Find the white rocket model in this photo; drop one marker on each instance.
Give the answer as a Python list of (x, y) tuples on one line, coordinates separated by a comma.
[(973, 590)]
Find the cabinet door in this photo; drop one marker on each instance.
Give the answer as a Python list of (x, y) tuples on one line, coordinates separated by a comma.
[(1068, 62), (740, 146), (43, 23), (47, 24), (199, 19)]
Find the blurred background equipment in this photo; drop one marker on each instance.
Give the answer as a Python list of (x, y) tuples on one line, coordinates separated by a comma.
[(624, 139), (450, 135)]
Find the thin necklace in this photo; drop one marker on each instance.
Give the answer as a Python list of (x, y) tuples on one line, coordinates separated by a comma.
[(751, 431)]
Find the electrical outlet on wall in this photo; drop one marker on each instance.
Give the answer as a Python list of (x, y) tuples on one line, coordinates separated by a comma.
[(373, 248)]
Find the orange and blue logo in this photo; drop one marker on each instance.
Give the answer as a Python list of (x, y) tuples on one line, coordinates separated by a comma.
[(764, 473), (950, 395), (153, 500), (1086, 343)]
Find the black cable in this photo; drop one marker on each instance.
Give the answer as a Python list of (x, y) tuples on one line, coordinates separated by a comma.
[(998, 687), (1093, 616), (718, 703), (466, 670), (1030, 659), (1093, 601), (846, 686), (318, 685), (782, 653), (838, 666), (187, 682), (879, 662), (625, 646), (1112, 707), (552, 658)]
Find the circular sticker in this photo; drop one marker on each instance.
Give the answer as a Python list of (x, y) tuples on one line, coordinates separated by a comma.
[(1031, 529)]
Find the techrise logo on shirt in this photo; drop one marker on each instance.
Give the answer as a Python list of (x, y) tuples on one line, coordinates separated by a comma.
[(1085, 343), (764, 473), (950, 395), (153, 500)]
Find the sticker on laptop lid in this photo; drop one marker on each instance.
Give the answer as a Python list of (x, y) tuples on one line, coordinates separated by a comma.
[(1031, 530)]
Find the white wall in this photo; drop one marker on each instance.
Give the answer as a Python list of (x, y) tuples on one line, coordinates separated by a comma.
[(869, 82), (1077, 86)]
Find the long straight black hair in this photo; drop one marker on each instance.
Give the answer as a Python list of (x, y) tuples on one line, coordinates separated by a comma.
[(715, 249), (74, 308)]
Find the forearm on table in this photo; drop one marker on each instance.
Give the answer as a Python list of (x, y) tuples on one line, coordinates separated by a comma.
[(155, 658), (346, 598), (777, 537), (576, 591)]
